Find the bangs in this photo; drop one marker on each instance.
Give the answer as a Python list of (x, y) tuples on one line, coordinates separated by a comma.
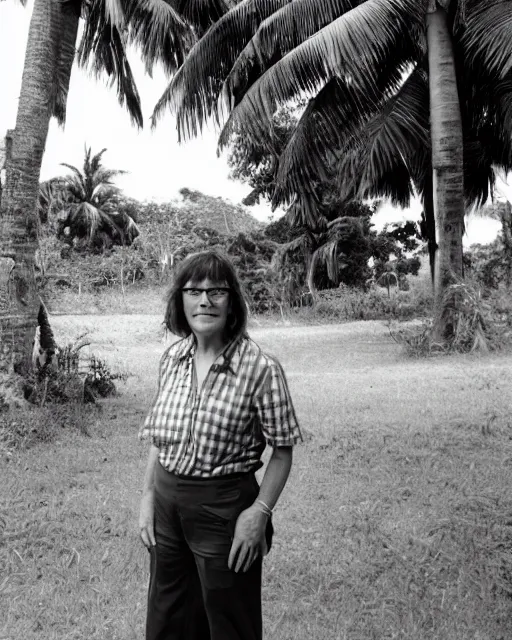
[(207, 267)]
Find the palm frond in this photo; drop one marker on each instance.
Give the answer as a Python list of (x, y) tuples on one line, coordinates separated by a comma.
[(328, 255), (331, 117), (103, 46), (393, 183), (77, 178), (51, 198), (330, 250), (128, 229), (501, 98), (85, 219), (378, 158), (486, 108), (304, 243), (479, 173), (202, 14), (343, 224), (160, 33), (486, 39), (194, 91), (104, 177), (307, 155), (355, 47), (103, 196), (92, 164), (302, 214), (278, 35), (115, 14), (64, 56)]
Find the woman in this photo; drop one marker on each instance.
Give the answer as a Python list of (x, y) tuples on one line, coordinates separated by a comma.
[(203, 517)]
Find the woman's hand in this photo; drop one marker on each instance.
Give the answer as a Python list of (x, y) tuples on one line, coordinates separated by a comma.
[(249, 539), (146, 519)]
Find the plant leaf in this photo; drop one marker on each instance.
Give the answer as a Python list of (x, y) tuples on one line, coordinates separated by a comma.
[(103, 47), (279, 34), (486, 39), (194, 91), (160, 33), (355, 47)]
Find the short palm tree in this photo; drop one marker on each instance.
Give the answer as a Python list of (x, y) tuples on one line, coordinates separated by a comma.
[(86, 206), (352, 57), (161, 30)]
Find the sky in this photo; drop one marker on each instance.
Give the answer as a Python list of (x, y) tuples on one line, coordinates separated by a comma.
[(158, 167)]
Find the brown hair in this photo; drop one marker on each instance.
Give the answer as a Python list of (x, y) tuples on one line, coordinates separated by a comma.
[(214, 266)]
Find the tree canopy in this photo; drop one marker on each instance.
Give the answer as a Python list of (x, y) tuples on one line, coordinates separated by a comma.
[(368, 116)]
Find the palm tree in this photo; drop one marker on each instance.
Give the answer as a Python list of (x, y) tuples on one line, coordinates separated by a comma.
[(86, 206), (264, 53), (162, 31), (325, 249), (391, 152)]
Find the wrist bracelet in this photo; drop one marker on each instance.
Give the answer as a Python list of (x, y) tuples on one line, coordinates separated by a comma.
[(266, 509)]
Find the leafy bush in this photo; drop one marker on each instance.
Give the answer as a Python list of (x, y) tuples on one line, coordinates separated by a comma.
[(252, 255), (100, 379), (120, 266), (349, 303), (75, 379), (488, 264), (477, 322)]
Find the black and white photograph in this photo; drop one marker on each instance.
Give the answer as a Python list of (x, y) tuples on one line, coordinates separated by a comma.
[(255, 319)]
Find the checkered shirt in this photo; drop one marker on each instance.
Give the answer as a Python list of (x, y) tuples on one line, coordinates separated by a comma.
[(223, 428)]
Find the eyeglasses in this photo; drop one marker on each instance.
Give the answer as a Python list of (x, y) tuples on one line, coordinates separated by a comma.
[(215, 293)]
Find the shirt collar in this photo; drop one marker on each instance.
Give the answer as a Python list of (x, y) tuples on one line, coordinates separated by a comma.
[(230, 354)]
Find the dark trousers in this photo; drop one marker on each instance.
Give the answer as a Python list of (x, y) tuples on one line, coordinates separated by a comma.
[(193, 595)]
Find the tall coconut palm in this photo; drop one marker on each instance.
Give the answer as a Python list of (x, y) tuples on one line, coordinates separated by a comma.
[(162, 31), (264, 53), (19, 306)]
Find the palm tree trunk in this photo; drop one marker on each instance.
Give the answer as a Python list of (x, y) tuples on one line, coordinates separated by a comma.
[(506, 229), (430, 226), (310, 277), (40, 94), (447, 163)]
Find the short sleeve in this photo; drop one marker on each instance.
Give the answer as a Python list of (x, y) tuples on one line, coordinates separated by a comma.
[(147, 431), (275, 409)]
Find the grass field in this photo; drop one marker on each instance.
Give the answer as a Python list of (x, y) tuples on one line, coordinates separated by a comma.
[(396, 521)]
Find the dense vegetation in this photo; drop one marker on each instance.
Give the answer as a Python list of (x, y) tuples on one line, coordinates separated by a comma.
[(84, 246)]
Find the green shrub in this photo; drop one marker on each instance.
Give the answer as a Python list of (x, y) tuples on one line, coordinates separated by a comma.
[(345, 303), (100, 379), (487, 264), (478, 320), (75, 379)]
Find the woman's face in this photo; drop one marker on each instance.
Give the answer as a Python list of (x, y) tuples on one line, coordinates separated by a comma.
[(206, 313)]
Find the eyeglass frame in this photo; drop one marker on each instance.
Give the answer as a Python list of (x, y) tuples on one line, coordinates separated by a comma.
[(224, 291)]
